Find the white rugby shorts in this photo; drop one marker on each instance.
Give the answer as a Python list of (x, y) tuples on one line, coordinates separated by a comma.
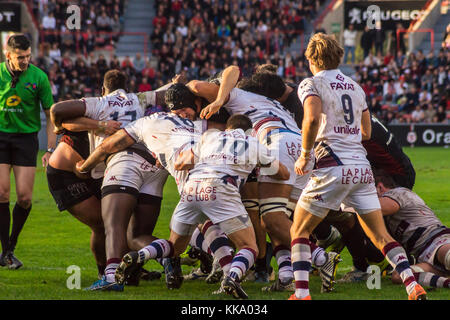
[(131, 170), (328, 188), (286, 146), (203, 199)]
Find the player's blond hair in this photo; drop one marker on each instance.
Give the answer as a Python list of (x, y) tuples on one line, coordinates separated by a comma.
[(324, 51)]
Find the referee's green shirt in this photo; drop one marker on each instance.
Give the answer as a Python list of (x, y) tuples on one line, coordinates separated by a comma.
[(20, 106)]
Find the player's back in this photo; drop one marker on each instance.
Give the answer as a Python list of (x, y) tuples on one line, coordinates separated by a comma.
[(262, 111), (343, 102), (225, 153)]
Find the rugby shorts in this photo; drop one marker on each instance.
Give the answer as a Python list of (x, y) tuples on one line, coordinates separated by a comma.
[(129, 172), (210, 198), (328, 188), (19, 149), (68, 190), (286, 146)]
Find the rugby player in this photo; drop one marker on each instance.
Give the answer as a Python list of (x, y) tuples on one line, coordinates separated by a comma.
[(276, 129), (336, 120), (410, 221), (79, 195), (218, 166), (131, 176)]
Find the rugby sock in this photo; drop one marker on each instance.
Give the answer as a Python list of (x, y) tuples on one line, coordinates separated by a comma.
[(242, 261), (301, 263), (318, 255), (219, 245), (110, 270), (5, 222), (432, 280), (20, 216), (283, 257), (397, 257), (198, 241), (159, 248)]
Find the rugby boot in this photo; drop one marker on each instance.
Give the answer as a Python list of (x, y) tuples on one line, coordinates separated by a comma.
[(103, 285), (293, 297), (150, 275), (216, 273), (172, 270), (327, 272), (232, 287), (129, 263), (12, 262), (279, 286), (3, 261), (418, 293)]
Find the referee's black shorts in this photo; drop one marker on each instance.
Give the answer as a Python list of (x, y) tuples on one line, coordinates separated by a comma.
[(19, 149)]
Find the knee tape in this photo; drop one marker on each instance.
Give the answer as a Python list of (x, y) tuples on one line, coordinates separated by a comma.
[(251, 204), (417, 268), (447, 261), (270, 205)]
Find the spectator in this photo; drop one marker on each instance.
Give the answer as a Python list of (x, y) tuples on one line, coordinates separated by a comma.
[(417, 115), (366, 41), (144, 85), (441, 115), (429, 113), (349, 43), (138, 62)]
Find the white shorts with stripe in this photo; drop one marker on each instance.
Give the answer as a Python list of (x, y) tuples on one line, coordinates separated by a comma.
[(211, 198), (131, 170), (286, 146), (328, 188)]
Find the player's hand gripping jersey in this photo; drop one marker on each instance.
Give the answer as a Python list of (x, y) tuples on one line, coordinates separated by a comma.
[(343, 101), (262, 111), (230, 155), (118, 106), (166, 135)]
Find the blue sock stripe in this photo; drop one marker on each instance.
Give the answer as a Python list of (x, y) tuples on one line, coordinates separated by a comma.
[(301, 266), (217, 243), (158, 248), (433, 281), (242, 259), (284, 264), (199, 240), (234, 275), (402, 266)]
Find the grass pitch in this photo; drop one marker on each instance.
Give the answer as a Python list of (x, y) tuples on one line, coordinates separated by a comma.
[(52, 241)]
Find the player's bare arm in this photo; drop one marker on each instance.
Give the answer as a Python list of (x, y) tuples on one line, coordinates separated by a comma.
[(64, 110), (51, 138), (115, 143), (388, 206), (366, 125), (87, 124), (230, 78), (185, 160), (310, 126), (281, 174)]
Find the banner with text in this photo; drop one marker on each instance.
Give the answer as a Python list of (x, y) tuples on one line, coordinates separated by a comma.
[(421, 134), (391, 13), (10, 16)]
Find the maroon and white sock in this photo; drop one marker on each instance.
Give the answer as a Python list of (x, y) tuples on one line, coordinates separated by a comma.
[(198, 241), (242, 261), (219, 245), (396, 256), (159, 248), (429, 279), (318, 255), (283, 256), (301, 263), (110, 270)]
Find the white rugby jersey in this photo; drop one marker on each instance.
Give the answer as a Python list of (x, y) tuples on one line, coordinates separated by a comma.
[(262, 111), (338, 140), (415, 223), (166, 135), (230, 155), (118, 106)]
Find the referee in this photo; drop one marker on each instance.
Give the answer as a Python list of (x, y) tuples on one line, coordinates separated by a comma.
[(23, 89)]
